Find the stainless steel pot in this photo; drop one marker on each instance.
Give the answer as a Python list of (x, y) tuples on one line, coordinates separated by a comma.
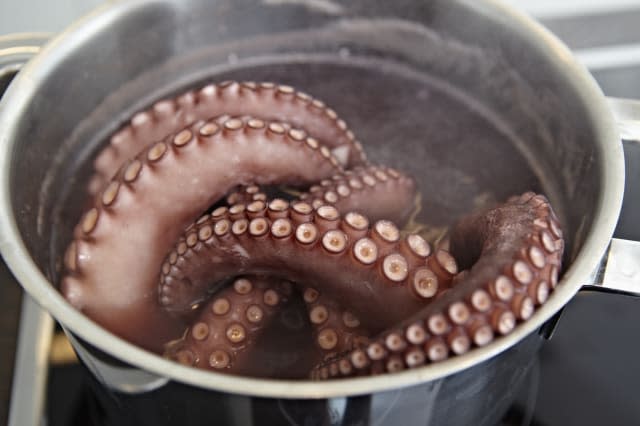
[(474, 99)]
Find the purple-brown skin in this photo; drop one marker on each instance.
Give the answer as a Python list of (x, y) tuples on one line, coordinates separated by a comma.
[(112, 265), (335, 329), (266, 101), (375, 193), (246, 195), (513, 254), (384, 189), (378, 192), (223, 336), (379, 271)]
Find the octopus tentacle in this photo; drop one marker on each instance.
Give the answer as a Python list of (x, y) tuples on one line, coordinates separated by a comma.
[(379, 271), (246, 195), (379, 192), (119, 246), (261, 100), (514, 253), (376, 192), (335, 329), (223, 335)]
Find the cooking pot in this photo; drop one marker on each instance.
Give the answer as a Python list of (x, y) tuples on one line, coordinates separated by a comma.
[(475, 100)]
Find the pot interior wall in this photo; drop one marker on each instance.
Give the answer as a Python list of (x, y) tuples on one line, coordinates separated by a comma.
[(472, 108)]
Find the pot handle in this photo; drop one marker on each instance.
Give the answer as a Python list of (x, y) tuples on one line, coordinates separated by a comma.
[(617, 273), (619, 269), (620, 266), (627, 115)]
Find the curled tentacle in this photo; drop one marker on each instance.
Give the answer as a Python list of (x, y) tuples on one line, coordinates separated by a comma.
[(369, 269), (378, 192), (335, 329), (113, 264), (514, 252), (260, 100), (246, 194), (225, 331), (375, 192)]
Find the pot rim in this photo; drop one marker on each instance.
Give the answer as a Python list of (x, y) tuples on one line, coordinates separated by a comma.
[(36, 284)]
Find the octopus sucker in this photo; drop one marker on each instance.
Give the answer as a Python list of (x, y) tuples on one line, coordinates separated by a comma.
[(389, 198), (225, 331), (490, 298), (335, 329), (326, 250), (181, 184), (246, 194), (233, 99)]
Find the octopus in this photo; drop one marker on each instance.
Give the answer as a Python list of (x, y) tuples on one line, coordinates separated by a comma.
[(211, 213)]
